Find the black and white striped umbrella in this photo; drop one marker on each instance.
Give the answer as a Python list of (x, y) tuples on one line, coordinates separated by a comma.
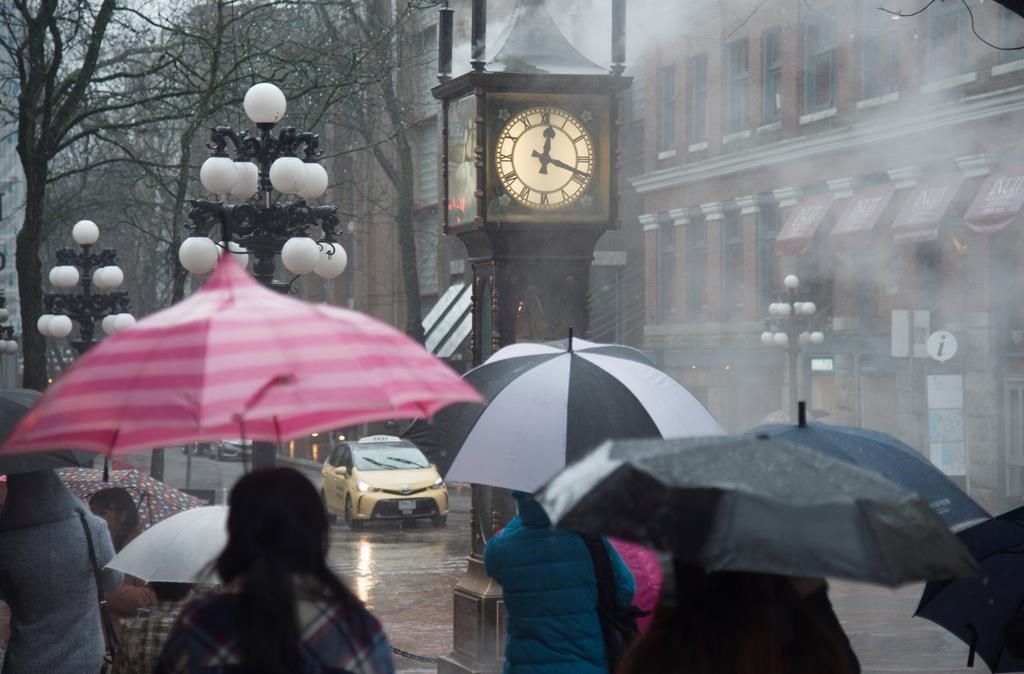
[(548, 404)]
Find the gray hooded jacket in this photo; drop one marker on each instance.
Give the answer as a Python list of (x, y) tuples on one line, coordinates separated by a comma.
[(47, 578)]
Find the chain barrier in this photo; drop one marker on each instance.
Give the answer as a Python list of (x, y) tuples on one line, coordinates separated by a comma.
[(412, 656)]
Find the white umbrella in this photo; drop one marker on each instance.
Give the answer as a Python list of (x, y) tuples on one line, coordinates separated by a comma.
[(177, 550)]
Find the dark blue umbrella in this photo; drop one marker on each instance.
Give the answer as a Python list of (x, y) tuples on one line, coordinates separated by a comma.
[(14, 403), (977, 610), (892, 459)]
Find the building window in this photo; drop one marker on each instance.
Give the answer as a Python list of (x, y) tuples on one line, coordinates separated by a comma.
[(667, 96), (928, 278), (819, 59), (737, 74), (948, 33), (771, 90), (698, 98), (879, 76), (866, 276), (1011, 34), (666, 269), (767, 230), (733, 275), (696, 263)]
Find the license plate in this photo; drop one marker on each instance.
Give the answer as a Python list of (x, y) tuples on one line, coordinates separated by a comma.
[(407, 506)]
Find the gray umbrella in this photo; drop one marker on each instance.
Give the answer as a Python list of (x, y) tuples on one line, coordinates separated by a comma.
[(14, 403), (752, 503)]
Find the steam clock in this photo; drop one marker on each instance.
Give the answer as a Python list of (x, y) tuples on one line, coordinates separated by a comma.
[(529, 174)]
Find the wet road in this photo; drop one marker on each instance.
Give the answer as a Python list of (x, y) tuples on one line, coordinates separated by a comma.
[(406, 575)]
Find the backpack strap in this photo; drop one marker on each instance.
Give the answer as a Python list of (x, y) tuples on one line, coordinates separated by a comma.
[(606, 595)]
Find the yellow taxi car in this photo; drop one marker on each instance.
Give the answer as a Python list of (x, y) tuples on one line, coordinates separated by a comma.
[(382, 477)]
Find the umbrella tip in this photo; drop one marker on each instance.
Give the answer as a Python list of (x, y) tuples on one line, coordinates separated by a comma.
[(570, 339), (801, 408), (106, 469)]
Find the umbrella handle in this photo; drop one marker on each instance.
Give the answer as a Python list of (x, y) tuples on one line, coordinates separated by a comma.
[(973, 645)]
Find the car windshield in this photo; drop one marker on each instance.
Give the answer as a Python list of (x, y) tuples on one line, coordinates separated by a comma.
[(393, 457)]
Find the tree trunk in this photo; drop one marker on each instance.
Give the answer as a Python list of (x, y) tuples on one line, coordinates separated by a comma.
[(30, 275)]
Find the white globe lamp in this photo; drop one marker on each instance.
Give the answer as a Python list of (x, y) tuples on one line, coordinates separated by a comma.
[(332, 261), (198, 254), (248, 182), (108, 324), (288, 175), (113, 276), (817, 337), (264, 103), (85, 232), (4, 314), (59, 326), (791, 282), (781, 339), (218, 175), (767, 338), (64, 276), (315, 182), (300, 255), (123, 322), (11, 346), (43, 324)]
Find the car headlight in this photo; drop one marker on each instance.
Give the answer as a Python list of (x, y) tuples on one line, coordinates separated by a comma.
[(364, 486), (438, 483)]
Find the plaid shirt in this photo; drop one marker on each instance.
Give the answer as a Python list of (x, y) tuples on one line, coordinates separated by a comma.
[(334, 639), (143, 637)]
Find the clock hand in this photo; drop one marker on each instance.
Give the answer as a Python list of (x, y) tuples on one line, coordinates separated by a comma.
[(567, 167), (545, 156)]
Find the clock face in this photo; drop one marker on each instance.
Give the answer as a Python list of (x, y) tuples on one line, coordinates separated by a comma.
[(544, 158)]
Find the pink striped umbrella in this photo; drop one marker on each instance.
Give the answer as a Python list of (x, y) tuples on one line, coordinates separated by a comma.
[(236, 360)]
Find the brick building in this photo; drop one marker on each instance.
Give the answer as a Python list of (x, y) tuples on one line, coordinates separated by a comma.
[(879, 160)]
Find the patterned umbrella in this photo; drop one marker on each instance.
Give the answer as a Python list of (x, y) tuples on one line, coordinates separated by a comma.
[(237, 360), (156, 501)]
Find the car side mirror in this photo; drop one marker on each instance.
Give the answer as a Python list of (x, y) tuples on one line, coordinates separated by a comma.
[(341, 470)]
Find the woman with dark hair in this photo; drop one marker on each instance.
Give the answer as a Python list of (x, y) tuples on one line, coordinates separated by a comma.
[(283, 611), (733, 623), (116, 506)]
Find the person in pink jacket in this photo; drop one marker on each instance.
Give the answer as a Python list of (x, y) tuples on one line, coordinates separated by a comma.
[(645, 565)]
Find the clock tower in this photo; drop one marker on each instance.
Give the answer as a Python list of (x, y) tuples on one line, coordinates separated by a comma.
[(529, 175)]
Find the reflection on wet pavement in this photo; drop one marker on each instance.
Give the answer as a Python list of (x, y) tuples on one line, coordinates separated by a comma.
[(405, 575), (889, 640)]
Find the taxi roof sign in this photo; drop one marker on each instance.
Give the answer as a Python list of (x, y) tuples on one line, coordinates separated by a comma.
[(380, 438)]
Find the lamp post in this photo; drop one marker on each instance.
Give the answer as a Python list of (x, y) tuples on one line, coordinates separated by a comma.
[(89, 271), (7, 342), (791, 327), (258, 223)]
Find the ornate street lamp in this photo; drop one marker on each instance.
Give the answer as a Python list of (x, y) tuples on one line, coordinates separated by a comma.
[(88, 270), (792, 327), (8, 344), (258, 224)]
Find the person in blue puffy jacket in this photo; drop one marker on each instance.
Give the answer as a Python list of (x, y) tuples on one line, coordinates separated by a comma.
[(550, 594)]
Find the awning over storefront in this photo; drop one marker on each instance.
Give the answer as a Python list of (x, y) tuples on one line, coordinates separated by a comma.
[(795, 236), (921, 215), (998, 202), (858, 219)]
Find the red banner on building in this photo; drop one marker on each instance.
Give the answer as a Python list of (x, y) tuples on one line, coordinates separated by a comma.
[(858, 219), (795, 236), (998, 201), (921, 215)]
